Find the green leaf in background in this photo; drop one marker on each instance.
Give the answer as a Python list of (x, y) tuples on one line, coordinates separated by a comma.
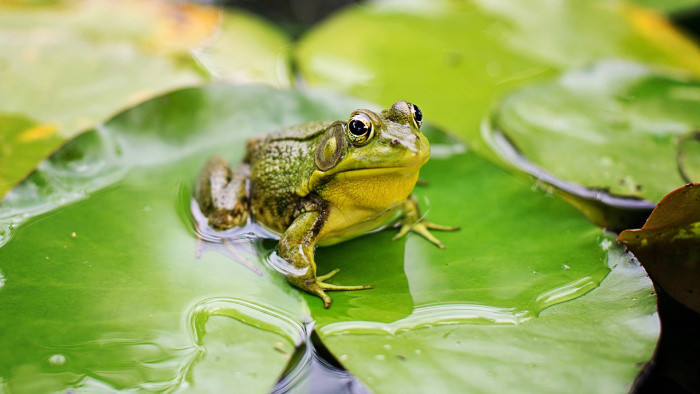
[(453, 58), (614, 126), (103, 287), (23, 140), (670, 6), (70, 65), (689, 156), (246, 48)]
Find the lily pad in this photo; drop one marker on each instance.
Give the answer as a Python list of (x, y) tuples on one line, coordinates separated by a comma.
[(22, 140), (110, 280), (594, 343), (247, 49), (455, 57), (615, 127), (689, 156), (71, 65)]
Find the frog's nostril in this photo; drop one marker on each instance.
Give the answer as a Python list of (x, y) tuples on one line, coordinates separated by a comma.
[(394, 142)]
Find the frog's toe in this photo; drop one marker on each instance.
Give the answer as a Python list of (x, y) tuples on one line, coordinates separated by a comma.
[(440, 227), (402, 231), (330, 287), (328, 275), (315, 289), (423, 228)]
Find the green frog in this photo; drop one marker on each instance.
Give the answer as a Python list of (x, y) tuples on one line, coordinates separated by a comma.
[(322, 183)]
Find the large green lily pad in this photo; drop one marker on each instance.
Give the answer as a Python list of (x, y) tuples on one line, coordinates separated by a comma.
[(69, 65), (454, 57), (615, 126), (106, 285), (595, 343)]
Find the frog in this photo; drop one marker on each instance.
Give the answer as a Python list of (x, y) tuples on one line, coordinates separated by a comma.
[(322, 183)]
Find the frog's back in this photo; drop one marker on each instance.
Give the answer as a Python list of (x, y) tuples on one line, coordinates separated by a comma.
[(280, 163), (302, 132)]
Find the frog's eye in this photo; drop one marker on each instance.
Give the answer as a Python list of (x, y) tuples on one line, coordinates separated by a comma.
[(417, 114), (360, 128)]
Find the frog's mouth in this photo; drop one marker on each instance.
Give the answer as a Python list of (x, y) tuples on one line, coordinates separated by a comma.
[(363, 167), (397, 171)]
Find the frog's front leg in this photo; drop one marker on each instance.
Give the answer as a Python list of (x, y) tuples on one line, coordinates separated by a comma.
[(297, 246), (222, 194), (411, 220)]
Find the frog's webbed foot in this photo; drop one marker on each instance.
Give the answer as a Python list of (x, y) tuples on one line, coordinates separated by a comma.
[(329, 287), (411, 221), (318, 287), (296, 247), (422, 228)]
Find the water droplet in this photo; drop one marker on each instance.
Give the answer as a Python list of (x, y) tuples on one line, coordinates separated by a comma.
[(606, 244), (380, 357), (387, 347), (343, 357), (57, 359)]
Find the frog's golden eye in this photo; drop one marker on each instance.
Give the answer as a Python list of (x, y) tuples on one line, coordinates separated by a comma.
[(360, 128), (417, 114)]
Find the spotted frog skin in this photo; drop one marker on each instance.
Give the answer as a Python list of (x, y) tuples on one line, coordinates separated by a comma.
[(322, 183)]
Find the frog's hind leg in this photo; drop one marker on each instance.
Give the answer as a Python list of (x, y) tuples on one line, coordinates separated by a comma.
[(296, 247), (222, 194)]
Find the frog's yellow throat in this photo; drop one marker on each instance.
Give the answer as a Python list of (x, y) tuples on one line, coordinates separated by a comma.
[(363, 200), (374, 189)]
